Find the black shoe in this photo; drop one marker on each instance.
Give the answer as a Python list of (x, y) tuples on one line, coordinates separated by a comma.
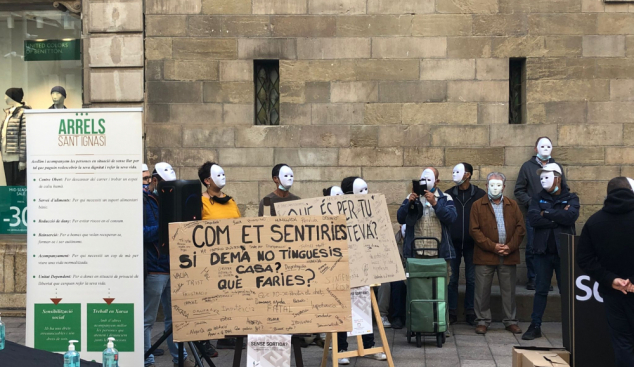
[(228, 344), (209, 349), (530, 285), (397, 324), (452, 319), (158, 352), (533, 332), (471, 319)]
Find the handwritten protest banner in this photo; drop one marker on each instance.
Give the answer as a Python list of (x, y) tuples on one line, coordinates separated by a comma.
[(268, 275), (374, 256)]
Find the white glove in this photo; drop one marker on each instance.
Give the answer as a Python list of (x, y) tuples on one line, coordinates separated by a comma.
[(22, 166)]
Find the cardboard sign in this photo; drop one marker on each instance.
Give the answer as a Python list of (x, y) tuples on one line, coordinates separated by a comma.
[(373, 251), (269, 351), (361, 311), (266, 275)]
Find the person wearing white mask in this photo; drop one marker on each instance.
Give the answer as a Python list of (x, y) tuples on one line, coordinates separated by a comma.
[(526, 186), (216, 204), (283, 177), (497, 227), (553, 211), (333, 191), (464, 195), (147, 178)]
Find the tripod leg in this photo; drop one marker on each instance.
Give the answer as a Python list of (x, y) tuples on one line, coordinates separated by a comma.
[(206, 357), (297, 350), (195, 353), (163, 337), (237, 354), (181, 355)]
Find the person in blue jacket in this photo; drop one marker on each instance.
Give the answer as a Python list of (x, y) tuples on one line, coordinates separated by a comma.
[(552, 211)]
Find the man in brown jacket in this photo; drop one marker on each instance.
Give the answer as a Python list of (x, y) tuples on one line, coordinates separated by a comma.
[(497, 228)]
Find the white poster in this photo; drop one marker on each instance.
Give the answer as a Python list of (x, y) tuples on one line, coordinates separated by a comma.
[(269, 351), (361, 311), (85, 232)]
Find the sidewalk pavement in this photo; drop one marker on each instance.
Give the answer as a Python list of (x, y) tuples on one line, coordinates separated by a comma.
[(463, 347)]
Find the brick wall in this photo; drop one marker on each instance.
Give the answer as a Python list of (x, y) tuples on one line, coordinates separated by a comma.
[(383, 88)]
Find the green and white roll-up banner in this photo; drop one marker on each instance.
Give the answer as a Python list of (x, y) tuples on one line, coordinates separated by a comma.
[(85, 231)]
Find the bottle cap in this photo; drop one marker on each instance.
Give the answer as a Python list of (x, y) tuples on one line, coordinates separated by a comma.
[(71, 346), (110, 342)]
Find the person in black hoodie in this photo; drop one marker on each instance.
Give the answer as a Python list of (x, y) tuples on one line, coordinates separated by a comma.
[(606, 253), (526, 186), (553, 211), (464, 195)]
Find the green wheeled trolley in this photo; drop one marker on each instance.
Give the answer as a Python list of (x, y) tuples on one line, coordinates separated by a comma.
[(427, 313)]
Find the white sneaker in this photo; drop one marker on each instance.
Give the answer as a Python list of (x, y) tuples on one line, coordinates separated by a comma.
[(386, 322), (378, 356), (344, 361)]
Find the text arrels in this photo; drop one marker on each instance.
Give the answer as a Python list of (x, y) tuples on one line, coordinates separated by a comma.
[(362, 209)]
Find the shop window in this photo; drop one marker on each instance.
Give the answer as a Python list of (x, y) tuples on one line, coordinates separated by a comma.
[(517, 91), (267, 92)]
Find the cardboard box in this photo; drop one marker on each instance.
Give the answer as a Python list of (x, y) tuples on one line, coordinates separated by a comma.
[(540, 357)]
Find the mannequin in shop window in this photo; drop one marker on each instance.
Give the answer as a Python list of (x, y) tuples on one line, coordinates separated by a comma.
[(13, 138), (58, 95)]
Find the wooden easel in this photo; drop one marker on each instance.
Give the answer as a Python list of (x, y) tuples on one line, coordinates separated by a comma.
[(385, 348)]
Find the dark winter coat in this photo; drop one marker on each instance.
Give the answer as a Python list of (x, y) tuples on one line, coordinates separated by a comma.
[(155, 261), (528, 183), (555, 217), (463, 200), (16, 131)]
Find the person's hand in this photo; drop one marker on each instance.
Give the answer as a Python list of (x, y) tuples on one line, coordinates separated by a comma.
[(22, 166), (507, 250), (499, 248), (413, 196), (431, 198), (621, 285), (542, 213), (567, 207), (630, 288)]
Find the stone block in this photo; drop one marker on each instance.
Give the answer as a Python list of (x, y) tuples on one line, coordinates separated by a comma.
[(190, 70), (333, 48), (324, 173), (560, 68), (567, 46), (166, 25), (415, 92), (622, 90), (477, 91), (382, 114), (354, 92), (391, 174), (364, 136), (317, 70), (163, 136), (154, 70), (524, 46), (238, 114), (279, 7), (267, 48), (493, 113), (202, 136), (196, 113), (120, 16), (629, 45), (447, 69), (511, 173), (500, 25), (593, 135), (317, 92), (174, 92), (468, 47), (173, 6), (565, 112), (475, 156), (400, 6), (467, 6), (158, 48), (226, 6), (619, 155), (306, 157), (250, 174), (562, 23), (404, 136), (371, 157), (303, 26), (116, 85), (246, 157), (116, 51), (589, 192), (604, 46), (442, 25), (492, 69), (188, 158), (453, 136), (614, 68), (19, 270), (386, 69), (408, 47), (555, 6), (204, 49), (627, 171), (516, 156), (374, 25), (580, 156), (395, 192), (568, 90), (244, 192), (521, 135), (293, 92), (13, 301), (205, 26), (346, 7), (628, 134), (294, 114), (615, 23), (246, 26), (268, 136), (325, 136), (440, 113), (592, 6), (337, 114), (236, 71), (423, 157), (592, 173), (514, 6), (157, 113), (228, 92)]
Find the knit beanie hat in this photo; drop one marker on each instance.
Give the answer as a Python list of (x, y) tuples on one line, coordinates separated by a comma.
[(347, 185), (59, 90), (16, 94)]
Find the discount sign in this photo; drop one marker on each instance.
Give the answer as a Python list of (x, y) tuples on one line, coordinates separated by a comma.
[(12, 210)]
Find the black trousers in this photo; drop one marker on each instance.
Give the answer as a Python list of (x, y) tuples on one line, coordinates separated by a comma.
[(619, 311), (14, 176)]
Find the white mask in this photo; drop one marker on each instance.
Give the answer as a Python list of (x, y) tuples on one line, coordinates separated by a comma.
[(495, 188), (544, 149), (286, 177), (458, 174), (336, 191), (631, 182), (429, 178), (359, 187), (166, 171), (547, 179), (218, 176)]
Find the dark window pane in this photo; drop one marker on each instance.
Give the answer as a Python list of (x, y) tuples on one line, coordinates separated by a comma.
[(267, 92), (517, 91)]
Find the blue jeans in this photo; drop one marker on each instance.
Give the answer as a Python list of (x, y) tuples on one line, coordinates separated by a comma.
[(157, 290), (530, 267), (342, 342), (469, 269), (545, 264)]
